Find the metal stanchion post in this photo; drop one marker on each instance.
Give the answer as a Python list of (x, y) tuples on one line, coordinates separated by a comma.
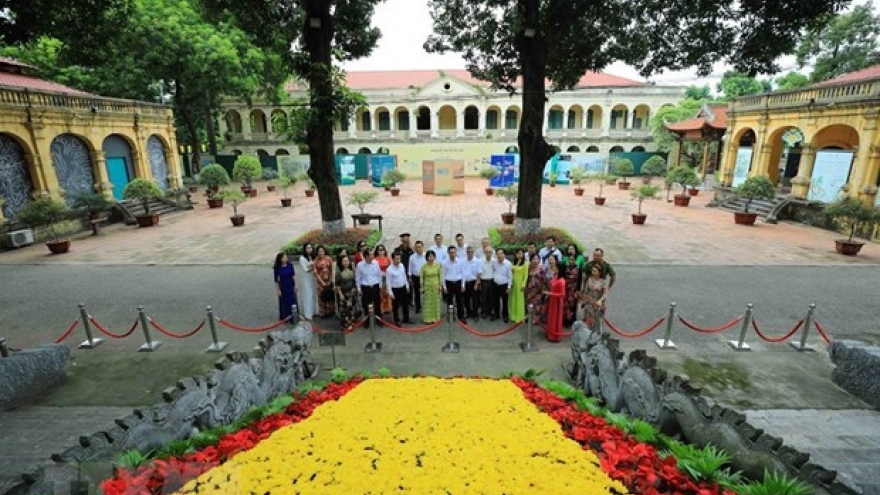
[(808, 321), (527, 346), (216, 346), (372, 345), (451, 346), (150, 345), (741, 345), (294, 315), (90, 342), (4, 350), (600, 326), (665, 343)]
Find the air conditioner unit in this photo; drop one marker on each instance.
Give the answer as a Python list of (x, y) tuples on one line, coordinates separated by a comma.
[(21, 238)]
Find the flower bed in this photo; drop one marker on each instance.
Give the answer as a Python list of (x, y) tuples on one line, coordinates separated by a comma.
[(506, 238), (419, 435), (348, 240)]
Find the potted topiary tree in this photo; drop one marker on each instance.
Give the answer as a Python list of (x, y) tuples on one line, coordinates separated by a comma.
[(310, 184), (235, 198), (191, 184), (361, 199), (285, 184), (510, 194), (653, 167), (602, 179), (757, 187), (213, 177), (143, 190), (852, 214), (391, 178), (270, 175), (552, 178), (640, 194), (489, 172), (93, 204), (45, 212), (684, 176), (578, 175), (246, 170), (622, 167)]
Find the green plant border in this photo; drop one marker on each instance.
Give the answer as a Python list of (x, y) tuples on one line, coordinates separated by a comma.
[(294, 247), (563, 238)]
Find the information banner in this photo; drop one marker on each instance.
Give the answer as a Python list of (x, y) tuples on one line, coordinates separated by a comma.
[(379, 164), (830, 173), (345, 166), (508, 166), (742, 166)]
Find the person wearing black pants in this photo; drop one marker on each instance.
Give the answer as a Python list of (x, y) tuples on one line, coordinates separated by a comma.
[(486, 286), (398, 288), (502, 278), (368, 278), (473, 267), (414, 270), (453, 276)]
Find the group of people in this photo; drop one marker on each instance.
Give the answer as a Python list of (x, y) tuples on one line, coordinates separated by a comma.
[(560, 287)]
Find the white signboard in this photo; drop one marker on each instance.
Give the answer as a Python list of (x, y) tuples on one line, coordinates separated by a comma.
[(742, 166), (830, 173)]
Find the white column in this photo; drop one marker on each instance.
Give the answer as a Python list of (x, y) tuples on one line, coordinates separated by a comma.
[(546, 120), (435, 122), (481, 120), (246, 126), (606, 121), (352, 126), (459, 122), (391, 118), (413, 123)]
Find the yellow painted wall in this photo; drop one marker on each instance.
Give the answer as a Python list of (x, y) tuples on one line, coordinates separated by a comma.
[(474, 155)]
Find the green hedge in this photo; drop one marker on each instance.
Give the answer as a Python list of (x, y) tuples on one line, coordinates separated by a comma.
[(503, 237), (348, 240)]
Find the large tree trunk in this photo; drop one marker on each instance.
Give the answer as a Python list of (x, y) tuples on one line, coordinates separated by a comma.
[(192, 130), (318, 43), (212, 139), (534, 150)]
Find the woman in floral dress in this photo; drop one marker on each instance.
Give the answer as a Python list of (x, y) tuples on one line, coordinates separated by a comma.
[(431, 289), (323, 269), (593, 297), (572, 282), (535, 287), (346, 291), (385, 302)]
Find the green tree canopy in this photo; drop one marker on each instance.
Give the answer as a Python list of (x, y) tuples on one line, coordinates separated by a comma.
[(850, 43), (695, 92), (792, 80), (691, 152), (533, 41), (734, 84)]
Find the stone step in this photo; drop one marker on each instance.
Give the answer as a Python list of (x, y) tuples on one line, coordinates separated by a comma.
[(156, 206)]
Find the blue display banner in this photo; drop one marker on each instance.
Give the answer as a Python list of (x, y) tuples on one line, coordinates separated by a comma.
[(379, 164), (508, 166)]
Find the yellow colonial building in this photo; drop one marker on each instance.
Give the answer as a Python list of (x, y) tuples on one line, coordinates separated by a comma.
[(448, 114), (822, 140), (58, 141)]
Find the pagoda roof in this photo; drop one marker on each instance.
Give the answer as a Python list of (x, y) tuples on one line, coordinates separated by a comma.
[(713, 117)]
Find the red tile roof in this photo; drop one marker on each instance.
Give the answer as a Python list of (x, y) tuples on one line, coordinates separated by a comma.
[(12, 63), (27, 82), (365, 80), (866, 74), (717, 120)]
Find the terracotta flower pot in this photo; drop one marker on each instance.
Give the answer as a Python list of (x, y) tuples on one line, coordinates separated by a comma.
[(237, 220), (552, 184), (579, 191), (363, 220), (599, 200), (395, 191), (623, 186), (639, 218), (310, 193), (252, 193), (848, 248), (245, 189), (743, 218), (693, 192), (508, 218), (214, 203), (490, 191), (682, 199), (285, 202), (60, 247), (270, 188), (147, 220)]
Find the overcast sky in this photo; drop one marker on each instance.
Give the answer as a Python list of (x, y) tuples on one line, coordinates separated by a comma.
[(406, 24)]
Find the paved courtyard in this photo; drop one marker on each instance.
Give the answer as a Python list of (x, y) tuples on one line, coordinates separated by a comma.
[(694, 255)]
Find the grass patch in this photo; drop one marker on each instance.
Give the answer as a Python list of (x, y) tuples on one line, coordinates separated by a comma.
[(346, 240), (504, 238), (717, 375)]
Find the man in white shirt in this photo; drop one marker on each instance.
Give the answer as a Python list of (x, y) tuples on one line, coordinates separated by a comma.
[(473, 267), (439, 249), (398, 287), (453, 287), (485, 244), (368, 278), (487, 286), (548, 250), (416, 262), (502, 279), (460, 246)]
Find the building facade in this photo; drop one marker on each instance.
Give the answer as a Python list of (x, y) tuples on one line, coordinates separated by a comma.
[(423, 115), (57, 141), (780, 134)]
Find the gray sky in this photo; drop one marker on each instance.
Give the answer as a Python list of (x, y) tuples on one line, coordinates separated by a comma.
[(406, 24)]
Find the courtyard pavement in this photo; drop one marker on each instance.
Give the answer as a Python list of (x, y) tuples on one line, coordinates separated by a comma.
[(787, 393)]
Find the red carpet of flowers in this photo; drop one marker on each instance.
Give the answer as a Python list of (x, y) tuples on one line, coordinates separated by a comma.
[(636, 465)]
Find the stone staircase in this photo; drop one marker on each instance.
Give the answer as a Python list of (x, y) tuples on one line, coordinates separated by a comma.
[(131, 209), (768, 210)]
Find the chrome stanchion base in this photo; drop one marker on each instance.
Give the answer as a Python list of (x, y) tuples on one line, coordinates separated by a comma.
[(373, 347), (451, 347), (805, 348), (737, 346), (150, 346), (91, 345), (528, 347), (665, 344), (218, 347)]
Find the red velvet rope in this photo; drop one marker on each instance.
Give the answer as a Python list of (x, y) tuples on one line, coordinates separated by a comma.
[(111, 334), (67, 332), (713, 329), (174, 335), (350, 329), (240, 328), (473, 331), (776, 339), (822, 332), (421, 329), (635, 335)]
